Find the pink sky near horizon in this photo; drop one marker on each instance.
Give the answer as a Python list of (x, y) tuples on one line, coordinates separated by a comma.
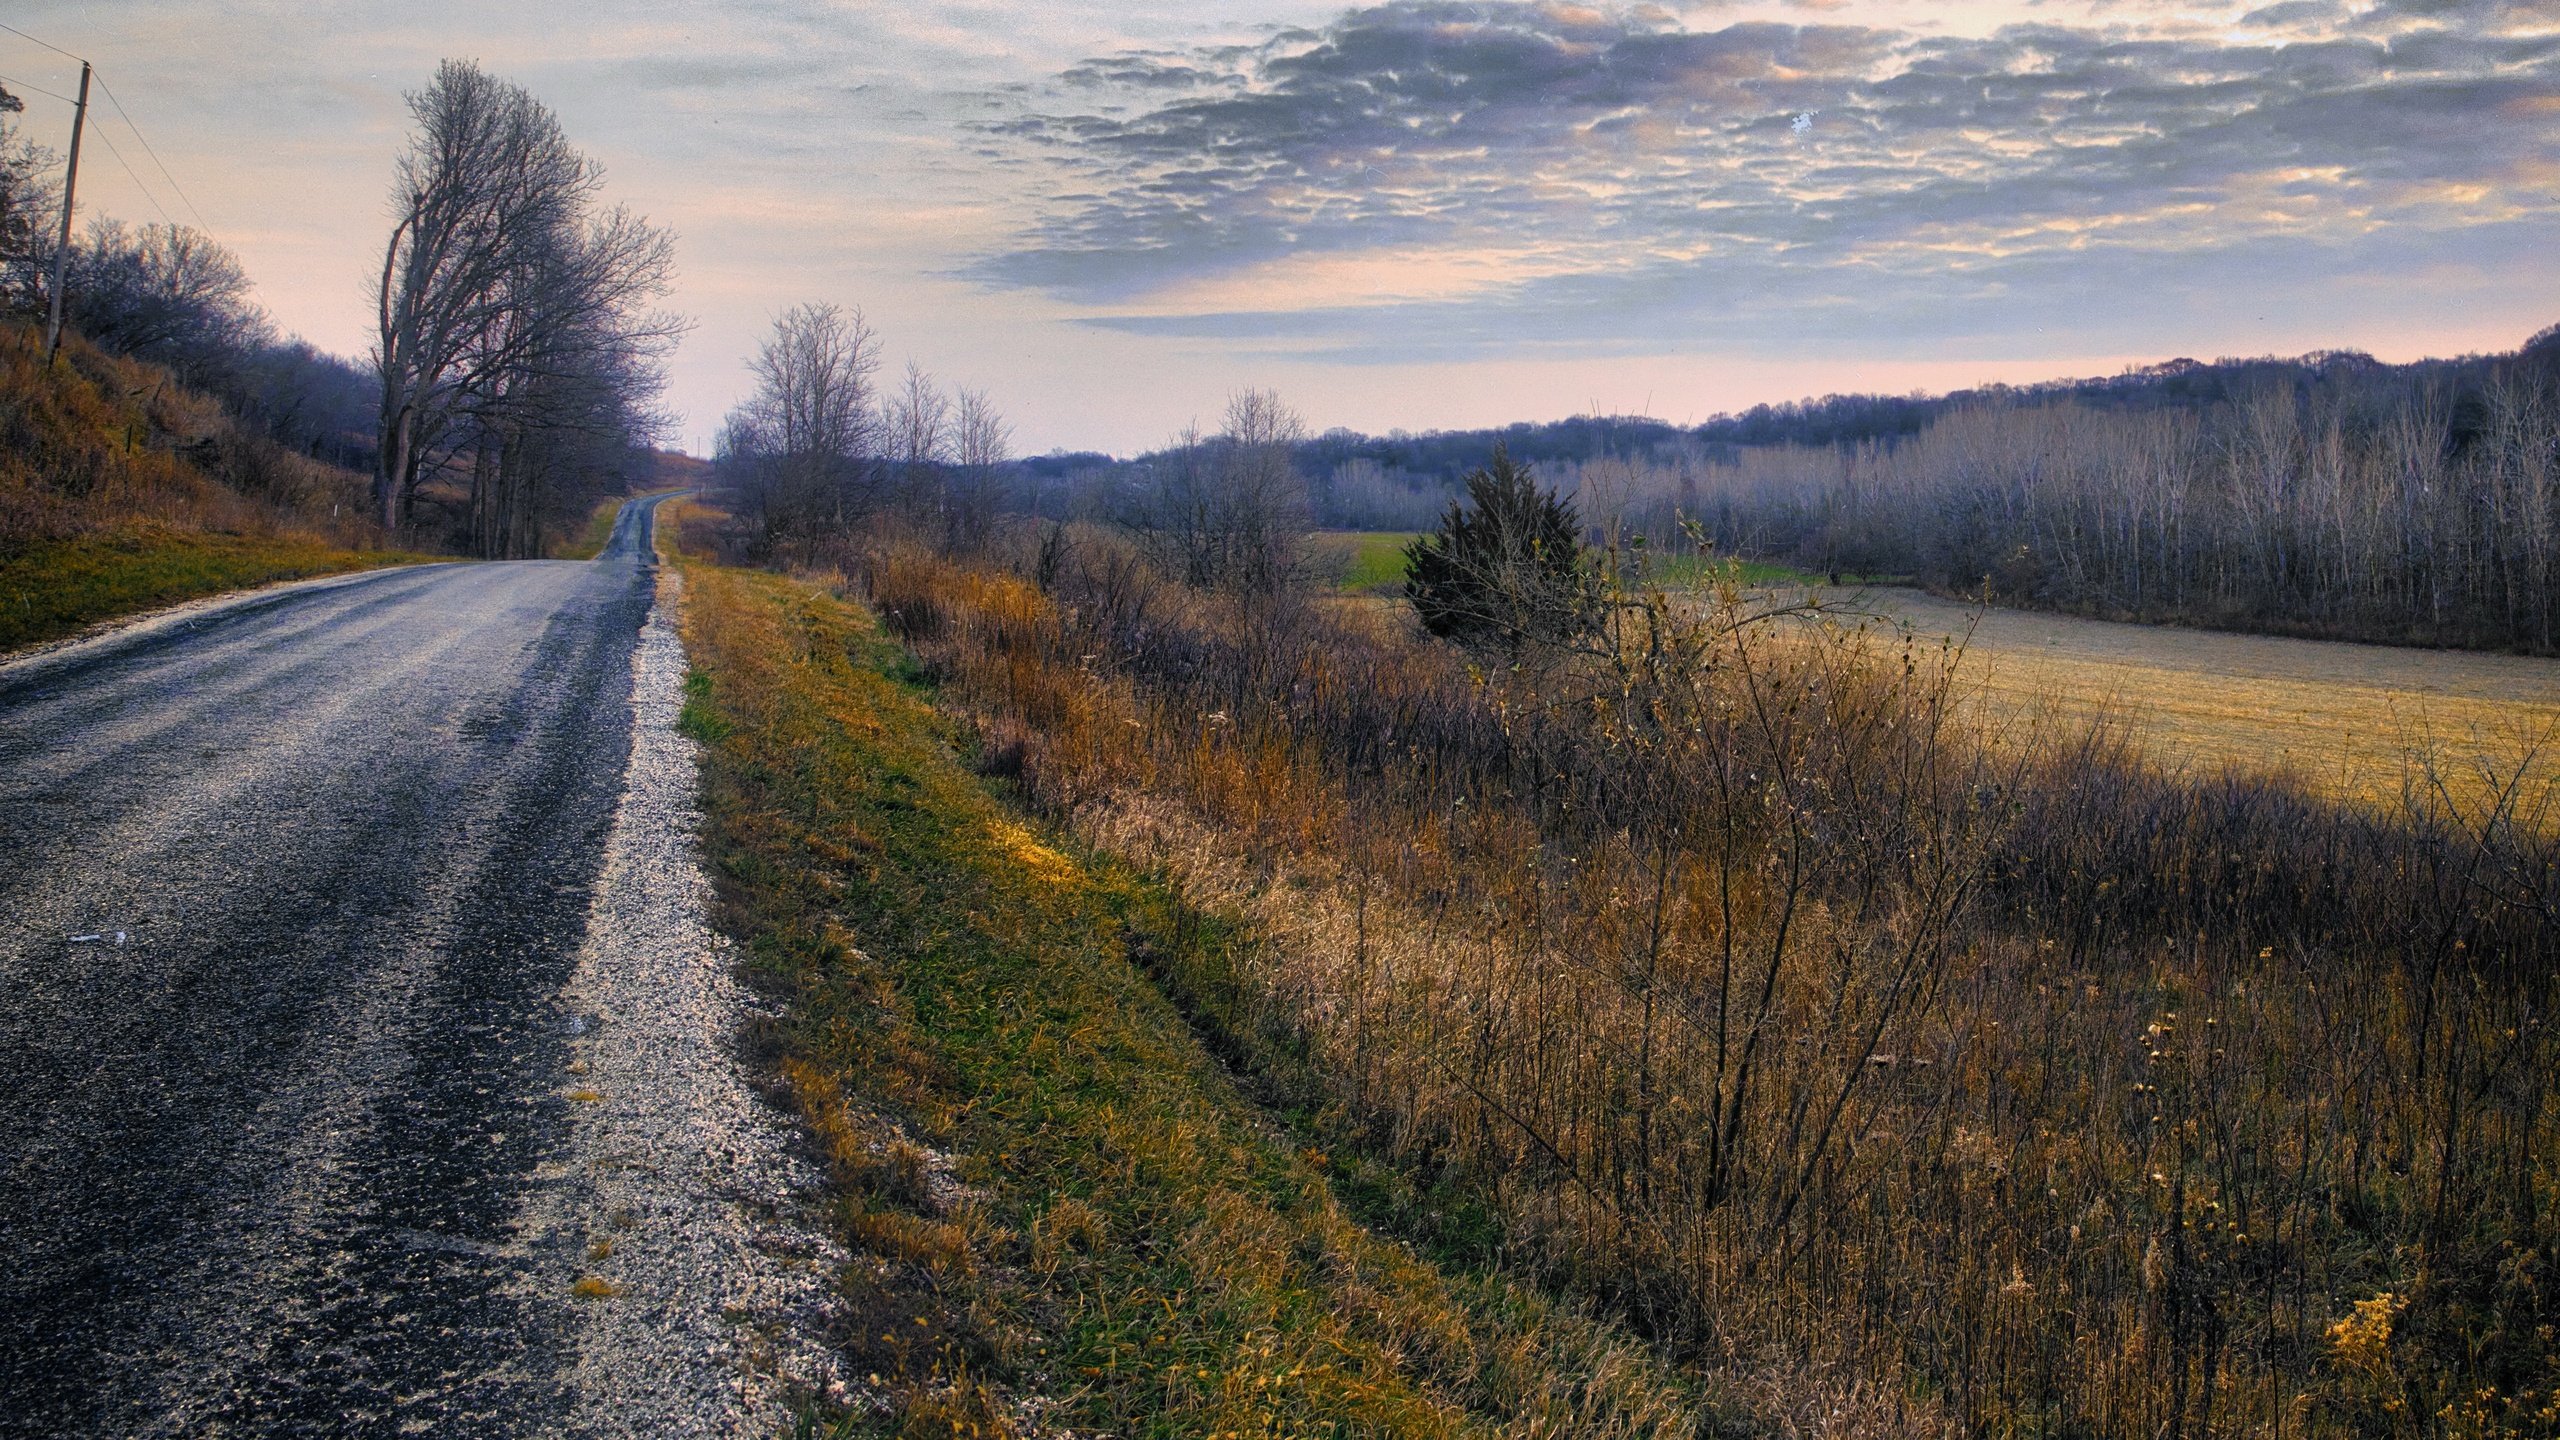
[(843, 151)]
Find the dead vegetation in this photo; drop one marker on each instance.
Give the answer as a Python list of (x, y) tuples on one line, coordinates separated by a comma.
[(105, 444), (120, 490), (1723, 975), (1066, 1215)]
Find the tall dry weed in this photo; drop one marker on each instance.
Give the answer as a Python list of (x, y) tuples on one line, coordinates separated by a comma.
[(1719, 973)]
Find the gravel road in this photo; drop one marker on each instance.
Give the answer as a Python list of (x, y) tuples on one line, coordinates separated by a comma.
[(354, 994)]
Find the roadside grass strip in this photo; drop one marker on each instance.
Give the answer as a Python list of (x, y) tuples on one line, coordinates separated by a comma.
[(1067, 1214), (54, 588)]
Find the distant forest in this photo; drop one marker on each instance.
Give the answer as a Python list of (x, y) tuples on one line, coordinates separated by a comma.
[(2329, 494)]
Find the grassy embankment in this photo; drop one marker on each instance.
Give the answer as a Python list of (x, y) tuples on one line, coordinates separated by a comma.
[(56, 588), (1064, 1206), (590, 541), (121, 491)]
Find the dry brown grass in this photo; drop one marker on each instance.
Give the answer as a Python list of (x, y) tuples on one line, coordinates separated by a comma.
[(1942, 1087), (2351, 720), (99, 445)]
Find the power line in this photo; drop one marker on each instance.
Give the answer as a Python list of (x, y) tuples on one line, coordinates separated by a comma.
[(130, 124), (35, 89), (86, 71), (56, 49), (138, 183), (174, 186)]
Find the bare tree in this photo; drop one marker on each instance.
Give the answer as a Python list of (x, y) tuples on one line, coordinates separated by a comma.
[(981, 443), (918, 425), (30, 199), (1231, 512), (572, 370), (165, 293), (487, 186), (804, 448)]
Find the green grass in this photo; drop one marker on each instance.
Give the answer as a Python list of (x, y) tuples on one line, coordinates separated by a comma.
[(1139, 1245), (1372, 560), (59, 587)]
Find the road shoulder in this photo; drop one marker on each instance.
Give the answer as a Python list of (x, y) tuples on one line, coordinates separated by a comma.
[(701, 1290)]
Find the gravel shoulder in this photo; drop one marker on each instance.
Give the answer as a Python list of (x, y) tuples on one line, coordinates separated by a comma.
[(705, 1289)]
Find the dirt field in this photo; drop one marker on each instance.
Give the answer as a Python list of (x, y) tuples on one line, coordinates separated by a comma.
[(2346, 717)]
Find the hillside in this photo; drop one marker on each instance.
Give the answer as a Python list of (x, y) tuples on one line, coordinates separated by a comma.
[(122, 490)]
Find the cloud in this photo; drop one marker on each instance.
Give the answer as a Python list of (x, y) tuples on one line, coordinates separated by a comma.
[(1663, 178), (2294, 12)]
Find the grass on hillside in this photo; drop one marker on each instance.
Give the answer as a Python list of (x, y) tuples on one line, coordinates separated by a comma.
[(54, 588), (1065, 1208), (122, 490)]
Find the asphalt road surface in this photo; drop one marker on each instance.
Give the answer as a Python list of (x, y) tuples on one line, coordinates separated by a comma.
[(288, 893)]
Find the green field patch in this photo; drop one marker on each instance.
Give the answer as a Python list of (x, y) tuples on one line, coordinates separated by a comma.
[(1367, 561)]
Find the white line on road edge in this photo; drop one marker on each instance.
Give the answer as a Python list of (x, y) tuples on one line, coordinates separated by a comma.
[(686, 1190)]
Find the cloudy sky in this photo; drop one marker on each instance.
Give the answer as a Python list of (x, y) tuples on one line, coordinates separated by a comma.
[(1421, 213)]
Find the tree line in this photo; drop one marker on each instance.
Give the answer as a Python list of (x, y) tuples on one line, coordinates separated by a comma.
[(1352, 471), (822, 457), (2394, 508), (171, 295), (518, 349), (2328, 496)]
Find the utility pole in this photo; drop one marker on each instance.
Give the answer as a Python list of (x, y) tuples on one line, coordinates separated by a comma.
[(62, 252)]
